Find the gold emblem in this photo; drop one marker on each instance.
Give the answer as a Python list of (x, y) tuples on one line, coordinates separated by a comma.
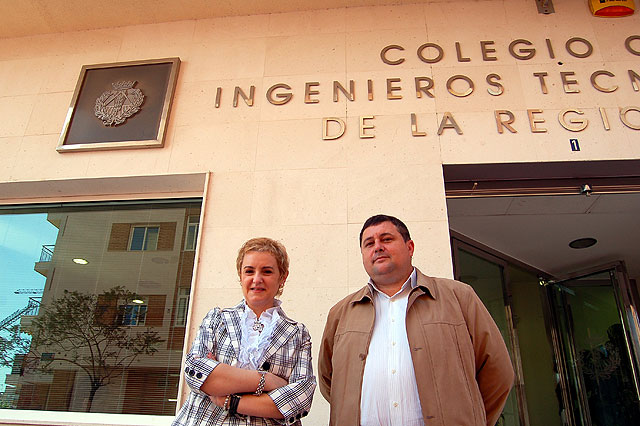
[(113, 107)]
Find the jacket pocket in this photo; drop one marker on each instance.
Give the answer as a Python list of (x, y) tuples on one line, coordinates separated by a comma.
[(453, 372)]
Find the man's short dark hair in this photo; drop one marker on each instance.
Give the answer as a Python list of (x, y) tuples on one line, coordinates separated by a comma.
[(380, 218)]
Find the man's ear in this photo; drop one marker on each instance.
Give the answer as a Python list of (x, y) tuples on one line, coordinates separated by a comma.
[(410, 246)]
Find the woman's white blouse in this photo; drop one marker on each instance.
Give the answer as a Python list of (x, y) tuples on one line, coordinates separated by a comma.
[(253, 343)]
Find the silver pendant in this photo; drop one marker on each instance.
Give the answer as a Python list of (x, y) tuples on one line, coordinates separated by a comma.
[(258, 326)]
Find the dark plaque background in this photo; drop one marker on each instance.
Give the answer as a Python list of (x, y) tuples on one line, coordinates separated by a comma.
[(152, 79)]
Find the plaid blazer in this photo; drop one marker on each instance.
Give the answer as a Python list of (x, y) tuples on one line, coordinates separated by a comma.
[(288, 355)]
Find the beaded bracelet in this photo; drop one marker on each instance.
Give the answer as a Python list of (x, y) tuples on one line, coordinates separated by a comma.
[(225, 406), (261, 383)]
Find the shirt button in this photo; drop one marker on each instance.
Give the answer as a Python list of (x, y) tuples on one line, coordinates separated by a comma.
[(393, 343), (395, 404), (393, 320), (393, 371)]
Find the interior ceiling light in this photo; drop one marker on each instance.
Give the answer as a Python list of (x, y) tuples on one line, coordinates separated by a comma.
[(138, 301), (581, 243), (80, 261)]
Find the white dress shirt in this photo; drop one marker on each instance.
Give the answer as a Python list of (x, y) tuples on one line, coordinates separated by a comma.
[(389, 391)]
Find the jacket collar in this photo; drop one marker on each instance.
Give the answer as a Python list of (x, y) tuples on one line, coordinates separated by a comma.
[(239, 307), (427, 284), (424, 285)]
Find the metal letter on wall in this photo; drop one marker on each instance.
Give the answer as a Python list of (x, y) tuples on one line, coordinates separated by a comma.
[(120, 105)]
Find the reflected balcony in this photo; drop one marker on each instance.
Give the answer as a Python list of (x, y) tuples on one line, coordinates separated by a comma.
[(42, 265)]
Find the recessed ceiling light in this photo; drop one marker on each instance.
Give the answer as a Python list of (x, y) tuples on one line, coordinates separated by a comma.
[(581, 243), (80, 261)]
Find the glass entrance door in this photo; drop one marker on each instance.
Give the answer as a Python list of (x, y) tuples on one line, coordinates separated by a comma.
[(595, 357), (486, 275)]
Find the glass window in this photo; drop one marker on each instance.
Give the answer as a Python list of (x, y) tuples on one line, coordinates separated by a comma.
[(192, 233), (183, 303), (86, 325), (144, 238), (132, 314)]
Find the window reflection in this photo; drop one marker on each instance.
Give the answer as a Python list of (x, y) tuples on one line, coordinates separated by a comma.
[(103, 335)]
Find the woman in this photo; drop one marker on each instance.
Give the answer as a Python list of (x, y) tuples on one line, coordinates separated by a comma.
[(251, 364)]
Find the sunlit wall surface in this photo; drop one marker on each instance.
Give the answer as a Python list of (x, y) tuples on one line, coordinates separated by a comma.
[(93, 305)]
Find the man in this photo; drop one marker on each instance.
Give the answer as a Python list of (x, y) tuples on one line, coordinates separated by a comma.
[(407, 349)]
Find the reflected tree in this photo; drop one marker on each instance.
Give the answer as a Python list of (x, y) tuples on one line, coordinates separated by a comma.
[(13, 341), (86, 330)]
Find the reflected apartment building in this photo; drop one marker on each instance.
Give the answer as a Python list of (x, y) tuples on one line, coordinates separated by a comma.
[(147, 254)]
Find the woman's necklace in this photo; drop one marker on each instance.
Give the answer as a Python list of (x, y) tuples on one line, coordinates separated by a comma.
[(258, 326)]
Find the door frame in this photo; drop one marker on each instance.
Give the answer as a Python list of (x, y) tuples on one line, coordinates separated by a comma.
[(459, 241), (623, 293), (551, 178), (624, 296)]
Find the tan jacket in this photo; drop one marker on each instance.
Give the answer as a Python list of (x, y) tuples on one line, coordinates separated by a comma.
[(462, 366)]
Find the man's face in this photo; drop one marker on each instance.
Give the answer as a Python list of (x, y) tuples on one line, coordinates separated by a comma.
[(385, 255)]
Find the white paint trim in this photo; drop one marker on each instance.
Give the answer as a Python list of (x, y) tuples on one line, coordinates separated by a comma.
[(182, 388), (62, 418)]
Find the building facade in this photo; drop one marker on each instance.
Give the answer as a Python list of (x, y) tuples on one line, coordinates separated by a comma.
[(499, 131)]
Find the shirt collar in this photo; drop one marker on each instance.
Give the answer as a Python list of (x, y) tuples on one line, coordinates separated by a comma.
[(267, 314), (408, 285)]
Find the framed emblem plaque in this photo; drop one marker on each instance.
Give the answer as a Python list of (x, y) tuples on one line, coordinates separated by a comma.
[(120, 105)]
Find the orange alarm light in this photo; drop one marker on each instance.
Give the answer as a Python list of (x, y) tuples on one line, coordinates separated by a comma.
[(611, 8)]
